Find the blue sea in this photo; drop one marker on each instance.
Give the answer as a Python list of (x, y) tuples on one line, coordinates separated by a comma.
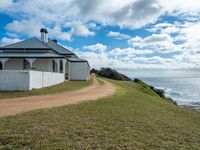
[(185, 91)]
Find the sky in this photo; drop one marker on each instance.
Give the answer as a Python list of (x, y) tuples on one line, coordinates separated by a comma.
[(136, 37)]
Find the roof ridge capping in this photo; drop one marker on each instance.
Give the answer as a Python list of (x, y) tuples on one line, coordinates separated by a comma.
[(32, 43)]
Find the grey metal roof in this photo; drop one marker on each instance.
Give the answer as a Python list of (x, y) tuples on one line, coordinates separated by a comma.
[(29, 55), (34, 48), (58, 48), (76, 60), (27, 44), (70, 56)]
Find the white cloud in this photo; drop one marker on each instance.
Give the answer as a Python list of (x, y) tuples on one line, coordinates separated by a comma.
[(127, 13), (158, 42), (104, 59), (129, 52), (98, 60), (57, 33), (184, 7), (66, 19), (78, 28), (6, 4), (24, 27), (6, 41), (31, 28), (154, 59), (118, 35), (96, 47), (167, 28)]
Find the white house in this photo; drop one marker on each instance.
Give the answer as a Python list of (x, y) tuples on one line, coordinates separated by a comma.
[(35, 63)]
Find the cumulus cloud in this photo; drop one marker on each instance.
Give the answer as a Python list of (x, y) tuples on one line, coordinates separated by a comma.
[(167, 28), (184, 7), (78, 28), (96, 47), (6, 41), (6, 4), (101, 59), (127, 13), (154, 60), (24, 27), (58, 33), (66, 19), (31, 28), (158, 42), (118, 35), (129, 51), (129, 61)]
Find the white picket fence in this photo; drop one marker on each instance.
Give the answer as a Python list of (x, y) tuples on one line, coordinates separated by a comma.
[(22, 80)]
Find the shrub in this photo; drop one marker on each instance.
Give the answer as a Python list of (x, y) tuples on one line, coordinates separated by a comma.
[(110, 73)]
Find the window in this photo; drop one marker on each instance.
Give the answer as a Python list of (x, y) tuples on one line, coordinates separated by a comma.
[(54, 66), (1, 66), (26, 65), (61, 66)]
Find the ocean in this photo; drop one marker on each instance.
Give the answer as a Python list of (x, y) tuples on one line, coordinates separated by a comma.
[(185, 91)]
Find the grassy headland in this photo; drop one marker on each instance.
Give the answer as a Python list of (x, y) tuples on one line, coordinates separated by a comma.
[(135, 117), (66, 86)]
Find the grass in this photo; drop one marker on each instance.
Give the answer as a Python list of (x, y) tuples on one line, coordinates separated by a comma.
[(132, 118), (66, 86)]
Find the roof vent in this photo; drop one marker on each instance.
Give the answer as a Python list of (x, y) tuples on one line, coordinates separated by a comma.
[(44, 35), (56, 41)]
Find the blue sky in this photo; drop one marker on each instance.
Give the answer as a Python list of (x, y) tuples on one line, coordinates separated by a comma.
[(132, 36)]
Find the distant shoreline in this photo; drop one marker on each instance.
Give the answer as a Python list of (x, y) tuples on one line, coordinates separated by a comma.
[(197, 108), (160, 92)]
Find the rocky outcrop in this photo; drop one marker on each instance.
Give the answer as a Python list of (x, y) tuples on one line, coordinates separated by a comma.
[(159, 92)]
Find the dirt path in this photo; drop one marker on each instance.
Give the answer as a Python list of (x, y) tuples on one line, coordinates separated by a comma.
[(18, 105)]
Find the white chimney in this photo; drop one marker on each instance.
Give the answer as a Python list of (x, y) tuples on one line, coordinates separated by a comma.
[(44, 35)]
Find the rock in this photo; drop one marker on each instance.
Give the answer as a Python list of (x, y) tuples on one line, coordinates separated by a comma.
[(160, 92)]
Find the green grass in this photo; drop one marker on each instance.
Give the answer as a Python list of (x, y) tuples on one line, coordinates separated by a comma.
[(130, 119), (66, 86)]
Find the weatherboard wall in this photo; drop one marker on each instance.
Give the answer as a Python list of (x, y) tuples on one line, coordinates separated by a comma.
[(14, 64), (43, 65), (21, 80), (38, 64), (79, 71)]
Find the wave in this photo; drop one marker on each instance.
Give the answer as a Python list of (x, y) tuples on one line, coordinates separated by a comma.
[(185, 91)]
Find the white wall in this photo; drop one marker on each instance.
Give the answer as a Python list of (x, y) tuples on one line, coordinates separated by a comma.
[(40, 79), (14, 64), (43, 65), (14, 80), (27, 80), (79, 71), (39, 64)]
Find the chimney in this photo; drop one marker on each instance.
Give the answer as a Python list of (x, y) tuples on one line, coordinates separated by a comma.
[(44, 35), (55, 41)]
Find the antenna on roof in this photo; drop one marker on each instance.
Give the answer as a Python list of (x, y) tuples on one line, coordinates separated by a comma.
[(44, 35)]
